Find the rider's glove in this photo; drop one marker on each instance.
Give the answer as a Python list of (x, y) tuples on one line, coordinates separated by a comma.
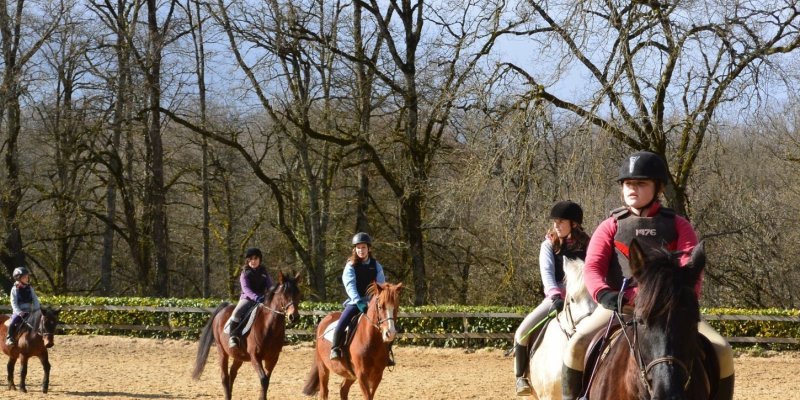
[(362, 307), (609, 299), (260, 299), (558, 302)]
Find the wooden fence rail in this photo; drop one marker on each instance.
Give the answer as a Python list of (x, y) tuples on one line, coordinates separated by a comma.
[(464, 334)]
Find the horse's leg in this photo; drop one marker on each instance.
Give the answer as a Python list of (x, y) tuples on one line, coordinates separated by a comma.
[(10, 367), (324, 374), (344, 390), (23, 372), (263, 377), (46, 367), (234, 372), (223, 372), (366, 390)]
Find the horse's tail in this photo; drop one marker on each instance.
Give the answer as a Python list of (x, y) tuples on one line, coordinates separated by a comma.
[(204, 344), (312, 381)]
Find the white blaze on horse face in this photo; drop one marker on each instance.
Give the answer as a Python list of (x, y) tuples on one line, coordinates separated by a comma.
[(389, 331)]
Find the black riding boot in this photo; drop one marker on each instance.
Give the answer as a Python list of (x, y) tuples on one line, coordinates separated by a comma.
[(236, 333), (336, 345), (521, 369), (725, 389), (11, 336), (571, 383)]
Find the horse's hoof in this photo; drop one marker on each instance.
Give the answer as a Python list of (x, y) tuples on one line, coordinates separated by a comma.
[(23, 390)]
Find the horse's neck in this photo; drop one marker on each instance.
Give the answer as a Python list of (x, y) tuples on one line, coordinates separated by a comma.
[(368, 324), (271, 319)]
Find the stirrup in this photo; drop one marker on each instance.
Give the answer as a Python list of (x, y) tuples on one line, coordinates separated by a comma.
[(523, 386), (233, 342), (336, 353), (10, 342)]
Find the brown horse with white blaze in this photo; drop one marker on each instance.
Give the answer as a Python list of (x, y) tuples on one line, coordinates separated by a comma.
[(263, 343), (368, 349)]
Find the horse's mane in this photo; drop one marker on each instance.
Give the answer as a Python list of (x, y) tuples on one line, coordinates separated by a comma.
[(665, 288), (388, 295), (573, 274), (289, 286), (36, 317)]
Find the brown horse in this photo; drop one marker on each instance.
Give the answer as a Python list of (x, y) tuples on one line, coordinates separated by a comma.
[(34, 338), (368, 350), (263, 343), (658, 354)]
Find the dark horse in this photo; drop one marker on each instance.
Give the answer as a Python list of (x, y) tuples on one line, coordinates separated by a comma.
[(659, 353), (264, 341), (34, 338), (368, 351)]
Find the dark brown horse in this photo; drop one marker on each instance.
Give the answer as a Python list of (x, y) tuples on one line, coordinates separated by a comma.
[(34, 338), (658, 354), (264, 341), (368, 350)]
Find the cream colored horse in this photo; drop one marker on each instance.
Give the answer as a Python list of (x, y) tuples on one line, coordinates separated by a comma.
[(545, 363)]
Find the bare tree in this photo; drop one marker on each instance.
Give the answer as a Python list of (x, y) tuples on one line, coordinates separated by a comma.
[(466, 35), (662, 69), (197, 21), (17, 53), (65, 182)]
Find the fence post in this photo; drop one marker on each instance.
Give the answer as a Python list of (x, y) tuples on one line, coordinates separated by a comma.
[(466, 331)]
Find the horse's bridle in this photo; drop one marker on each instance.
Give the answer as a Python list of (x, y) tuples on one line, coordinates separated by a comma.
[(644, 370), (41, 331), (283, 309), (380, 321), (571, 321)]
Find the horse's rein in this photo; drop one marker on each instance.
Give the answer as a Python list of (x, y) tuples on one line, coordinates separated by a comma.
[(285, 306), (41, 329)]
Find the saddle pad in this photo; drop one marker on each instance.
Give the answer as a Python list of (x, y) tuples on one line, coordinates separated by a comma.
[(328, 335), (250, 319)]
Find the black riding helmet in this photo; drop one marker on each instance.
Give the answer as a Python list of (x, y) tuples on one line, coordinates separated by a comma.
[(567, 210), (643, 165), (362, 237), (253, 251)]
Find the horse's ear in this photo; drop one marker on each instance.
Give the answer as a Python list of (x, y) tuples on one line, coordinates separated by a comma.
[(635, 257), (399, 287), (280, 277), (699, 256)]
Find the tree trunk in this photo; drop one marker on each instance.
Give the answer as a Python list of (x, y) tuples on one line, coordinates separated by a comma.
[(157, 191)]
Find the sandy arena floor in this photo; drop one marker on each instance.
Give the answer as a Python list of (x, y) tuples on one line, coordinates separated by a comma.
[(108, 367)]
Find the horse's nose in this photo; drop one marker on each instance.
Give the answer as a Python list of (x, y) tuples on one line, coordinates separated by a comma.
[(294, 317), (49, 342), (389, 334)]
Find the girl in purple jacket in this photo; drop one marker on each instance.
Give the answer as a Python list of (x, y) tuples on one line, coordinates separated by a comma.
[(255, 282)]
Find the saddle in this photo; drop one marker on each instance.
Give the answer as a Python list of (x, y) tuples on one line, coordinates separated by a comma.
[(349, 333), (601, 345), (248, 320), (23, 326)]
